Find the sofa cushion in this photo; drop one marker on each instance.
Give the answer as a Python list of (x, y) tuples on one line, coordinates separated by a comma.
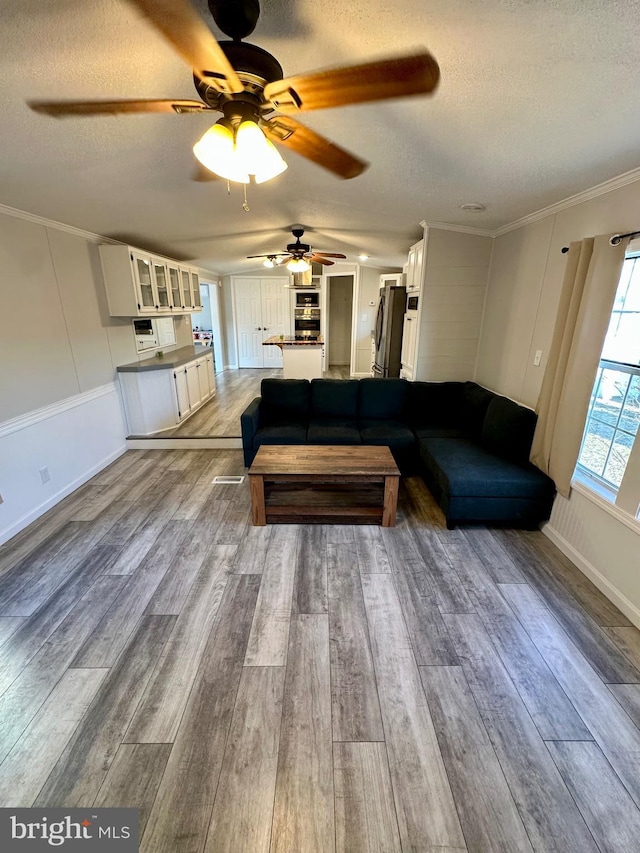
[(463, 468), (284, 401), (292, 433), (382, 399), (334, 398), (476, 401), (333, 431), (439, 432), (508, 429), (435, 404), (393, 433)]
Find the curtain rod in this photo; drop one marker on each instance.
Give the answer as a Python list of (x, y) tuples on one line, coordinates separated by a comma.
[(615, 240)]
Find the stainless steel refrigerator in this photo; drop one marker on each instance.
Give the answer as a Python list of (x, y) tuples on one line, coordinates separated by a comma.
[(388, 331)]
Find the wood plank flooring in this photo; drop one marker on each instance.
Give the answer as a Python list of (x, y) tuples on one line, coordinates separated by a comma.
[(311, 688)]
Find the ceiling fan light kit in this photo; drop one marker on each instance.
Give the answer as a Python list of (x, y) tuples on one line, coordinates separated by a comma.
[(298, 265), (247, 84), (237, 154)]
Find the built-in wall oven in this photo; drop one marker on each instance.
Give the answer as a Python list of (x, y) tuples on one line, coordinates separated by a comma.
[(306, 322)]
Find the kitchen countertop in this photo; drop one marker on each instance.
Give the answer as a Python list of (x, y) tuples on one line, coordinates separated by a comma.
[(169, 360), (290, 341)]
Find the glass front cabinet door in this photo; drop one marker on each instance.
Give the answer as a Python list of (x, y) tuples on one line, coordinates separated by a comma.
[(187, 299), (195, 290), (174, 282), (162, 285), (144, 283)]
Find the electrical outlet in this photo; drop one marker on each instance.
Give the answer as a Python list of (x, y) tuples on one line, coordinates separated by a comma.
[(537, 358), (44, 475)]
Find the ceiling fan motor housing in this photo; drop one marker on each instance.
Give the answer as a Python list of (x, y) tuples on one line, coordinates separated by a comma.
[(236, 18)]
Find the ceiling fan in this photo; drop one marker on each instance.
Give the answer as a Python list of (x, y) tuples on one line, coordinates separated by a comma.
[(299, 256), (246, 84)]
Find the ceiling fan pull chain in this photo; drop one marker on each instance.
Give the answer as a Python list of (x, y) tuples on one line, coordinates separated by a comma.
[(245, 206)]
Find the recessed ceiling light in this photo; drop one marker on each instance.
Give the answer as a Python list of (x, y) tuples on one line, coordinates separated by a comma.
[(473, 206), (363, 257)]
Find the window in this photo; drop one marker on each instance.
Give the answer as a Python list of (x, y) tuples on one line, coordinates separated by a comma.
[(613, 419)]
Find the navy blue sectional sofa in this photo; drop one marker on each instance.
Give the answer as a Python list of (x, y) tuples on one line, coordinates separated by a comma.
[(471, 446)]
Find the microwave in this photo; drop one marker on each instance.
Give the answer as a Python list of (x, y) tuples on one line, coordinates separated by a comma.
[(308, 299), (412, 303)]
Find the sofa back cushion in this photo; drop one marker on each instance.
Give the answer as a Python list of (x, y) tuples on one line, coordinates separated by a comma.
[(382, 399), (508, 429), (476, 401), (435, 404), (284, 400), (334, 398)]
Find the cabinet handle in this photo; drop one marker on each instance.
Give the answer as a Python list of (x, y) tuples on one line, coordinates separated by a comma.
[(409, 319)]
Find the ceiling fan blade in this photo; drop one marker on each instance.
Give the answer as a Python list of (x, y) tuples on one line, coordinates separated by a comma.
[(417, 74), (179, 22), (271, 255), (309, 144), (65, 109), (328, 255), (316, 259)]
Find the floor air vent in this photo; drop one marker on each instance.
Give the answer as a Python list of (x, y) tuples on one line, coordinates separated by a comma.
[(232, 480)]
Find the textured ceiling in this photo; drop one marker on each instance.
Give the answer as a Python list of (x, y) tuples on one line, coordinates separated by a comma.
[(536, 102)]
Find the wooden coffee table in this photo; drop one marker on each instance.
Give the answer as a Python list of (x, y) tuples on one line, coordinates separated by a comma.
[(349, 484)]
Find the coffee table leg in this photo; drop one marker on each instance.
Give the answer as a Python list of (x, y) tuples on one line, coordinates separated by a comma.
[(390, 501), (258, 510)]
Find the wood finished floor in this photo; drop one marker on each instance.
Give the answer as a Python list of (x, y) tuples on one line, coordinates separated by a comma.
[(235, 389), (300, 688)]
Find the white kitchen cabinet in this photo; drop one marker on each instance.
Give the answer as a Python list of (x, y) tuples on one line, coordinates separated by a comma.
[(415, 266), (159, 398), (193, 385), (182, 393), (409, 339), (141, 284)]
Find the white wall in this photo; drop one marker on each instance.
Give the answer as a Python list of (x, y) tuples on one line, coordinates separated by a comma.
[(522, 300), (452, 296)]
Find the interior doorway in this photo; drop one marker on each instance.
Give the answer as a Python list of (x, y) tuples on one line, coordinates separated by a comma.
[(208, 320), (338, 331)]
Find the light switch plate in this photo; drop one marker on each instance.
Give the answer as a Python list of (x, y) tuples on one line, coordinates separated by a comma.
[(537, 358)]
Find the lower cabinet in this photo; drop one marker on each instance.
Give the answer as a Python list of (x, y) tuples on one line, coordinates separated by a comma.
[(156, 400)]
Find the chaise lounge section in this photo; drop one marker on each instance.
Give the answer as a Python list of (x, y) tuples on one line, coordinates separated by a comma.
[(471, 446)]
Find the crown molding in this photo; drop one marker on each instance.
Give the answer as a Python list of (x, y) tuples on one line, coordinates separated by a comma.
[(60, 226), (463, 229), (586, 195)]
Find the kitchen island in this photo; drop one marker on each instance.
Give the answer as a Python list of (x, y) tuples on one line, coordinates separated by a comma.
[(301, 355)]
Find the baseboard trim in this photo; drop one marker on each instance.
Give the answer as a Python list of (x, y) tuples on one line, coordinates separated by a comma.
[(31, 516), (604, 585), (184, 443)]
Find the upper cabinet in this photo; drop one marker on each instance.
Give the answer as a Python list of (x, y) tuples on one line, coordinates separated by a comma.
[(396, 279), (140, 284), (414, 266)]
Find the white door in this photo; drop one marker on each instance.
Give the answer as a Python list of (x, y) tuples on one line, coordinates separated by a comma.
[(409, 335), (248, 302), (275, 317), (182, 392)]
